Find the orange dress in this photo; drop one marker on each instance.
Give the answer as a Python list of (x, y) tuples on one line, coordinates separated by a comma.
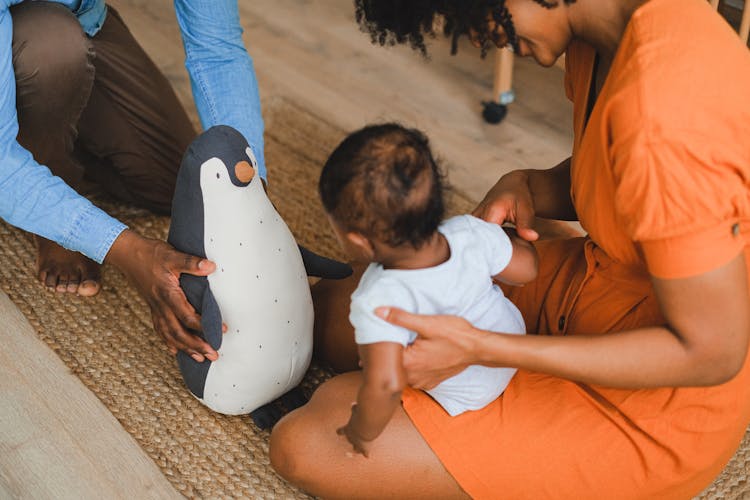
[(661, 183)]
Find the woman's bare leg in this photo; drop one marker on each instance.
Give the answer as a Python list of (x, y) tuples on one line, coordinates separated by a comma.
[(305, 448), (308, 453)]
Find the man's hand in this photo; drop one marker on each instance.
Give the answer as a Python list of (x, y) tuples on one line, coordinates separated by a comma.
[(154, 268)]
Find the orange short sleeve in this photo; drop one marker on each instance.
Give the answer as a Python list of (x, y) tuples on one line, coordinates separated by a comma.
[(680, 199), (695, 253)]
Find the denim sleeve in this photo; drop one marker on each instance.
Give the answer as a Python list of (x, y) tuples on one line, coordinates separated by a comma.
[(32, 198), (221, 71)]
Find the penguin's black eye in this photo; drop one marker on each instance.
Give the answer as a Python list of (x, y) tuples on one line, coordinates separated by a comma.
[(217, 175)]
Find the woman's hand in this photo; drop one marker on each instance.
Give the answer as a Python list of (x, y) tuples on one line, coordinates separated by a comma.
[(521, 196), (446, 345), (510, 200), (154, 268)]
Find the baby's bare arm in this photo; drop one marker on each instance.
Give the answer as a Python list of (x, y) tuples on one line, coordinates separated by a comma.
[(380, 394), (524, 263)]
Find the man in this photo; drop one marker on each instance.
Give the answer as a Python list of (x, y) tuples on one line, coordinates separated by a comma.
[(79, 98)]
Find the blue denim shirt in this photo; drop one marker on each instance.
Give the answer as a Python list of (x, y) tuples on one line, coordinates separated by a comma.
[(225, 92)]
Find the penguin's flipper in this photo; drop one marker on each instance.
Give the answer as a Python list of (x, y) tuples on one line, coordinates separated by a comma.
[(198, 293), (323, 267), (293, 399), (267, 415), (194, 288), (211, 320), (193, 373)]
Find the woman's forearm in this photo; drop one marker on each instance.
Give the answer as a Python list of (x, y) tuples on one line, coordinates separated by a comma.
[(643, 358), (706, 342)]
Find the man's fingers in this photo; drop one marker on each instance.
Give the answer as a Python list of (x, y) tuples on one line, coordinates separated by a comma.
[(187, 315), (176, 336), (196, 266), (174, 344), (161, 328), (194, 346), (172, 302)]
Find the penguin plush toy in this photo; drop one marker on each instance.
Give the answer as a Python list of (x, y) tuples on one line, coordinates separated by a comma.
[(259, 289)]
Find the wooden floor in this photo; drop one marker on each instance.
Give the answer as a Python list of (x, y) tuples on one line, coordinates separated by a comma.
[(56, 438), (314, 53)]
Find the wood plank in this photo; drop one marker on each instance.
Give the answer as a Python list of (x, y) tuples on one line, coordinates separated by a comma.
[(57, 440)]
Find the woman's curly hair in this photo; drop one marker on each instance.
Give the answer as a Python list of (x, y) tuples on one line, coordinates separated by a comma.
[(391, 22)]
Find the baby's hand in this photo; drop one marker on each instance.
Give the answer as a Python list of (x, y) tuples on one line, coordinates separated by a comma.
[(360, 445)]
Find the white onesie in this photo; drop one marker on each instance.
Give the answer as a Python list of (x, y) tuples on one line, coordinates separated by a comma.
[(460, 286)]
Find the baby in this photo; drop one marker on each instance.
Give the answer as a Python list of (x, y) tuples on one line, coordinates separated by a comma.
[(382, 191)]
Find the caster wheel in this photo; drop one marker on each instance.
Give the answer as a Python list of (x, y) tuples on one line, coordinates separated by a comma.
[(494, 112)]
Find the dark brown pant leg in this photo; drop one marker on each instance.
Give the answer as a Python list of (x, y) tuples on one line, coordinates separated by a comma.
[(134, 131), (52, 61)]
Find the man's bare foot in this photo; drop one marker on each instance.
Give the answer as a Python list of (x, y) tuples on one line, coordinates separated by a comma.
[(64, 271)]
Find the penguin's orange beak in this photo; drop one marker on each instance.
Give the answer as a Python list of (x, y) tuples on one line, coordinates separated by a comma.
[(244, 171)]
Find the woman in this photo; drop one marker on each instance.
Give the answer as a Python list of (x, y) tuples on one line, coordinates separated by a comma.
[(637, 384)]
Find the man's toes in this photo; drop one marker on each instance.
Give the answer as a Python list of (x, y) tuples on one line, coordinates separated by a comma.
[(50, 279), (73, 284), (67, 272), (90, 282), (89, 288), (62, 283)]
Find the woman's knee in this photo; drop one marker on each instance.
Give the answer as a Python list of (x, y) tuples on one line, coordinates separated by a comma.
[(301, 441), (286, 449), (52, 57), (300, 448)]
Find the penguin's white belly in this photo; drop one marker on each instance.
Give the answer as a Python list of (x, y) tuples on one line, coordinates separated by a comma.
[(261, 287)]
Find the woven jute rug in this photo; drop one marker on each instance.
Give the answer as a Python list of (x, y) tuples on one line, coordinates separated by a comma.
[(109, 343)]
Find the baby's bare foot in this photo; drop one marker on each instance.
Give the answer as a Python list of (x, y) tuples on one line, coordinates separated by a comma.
[(64, 271)]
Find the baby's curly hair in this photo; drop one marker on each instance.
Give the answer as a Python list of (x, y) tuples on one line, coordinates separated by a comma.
[(383, 182), (391, 22)]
